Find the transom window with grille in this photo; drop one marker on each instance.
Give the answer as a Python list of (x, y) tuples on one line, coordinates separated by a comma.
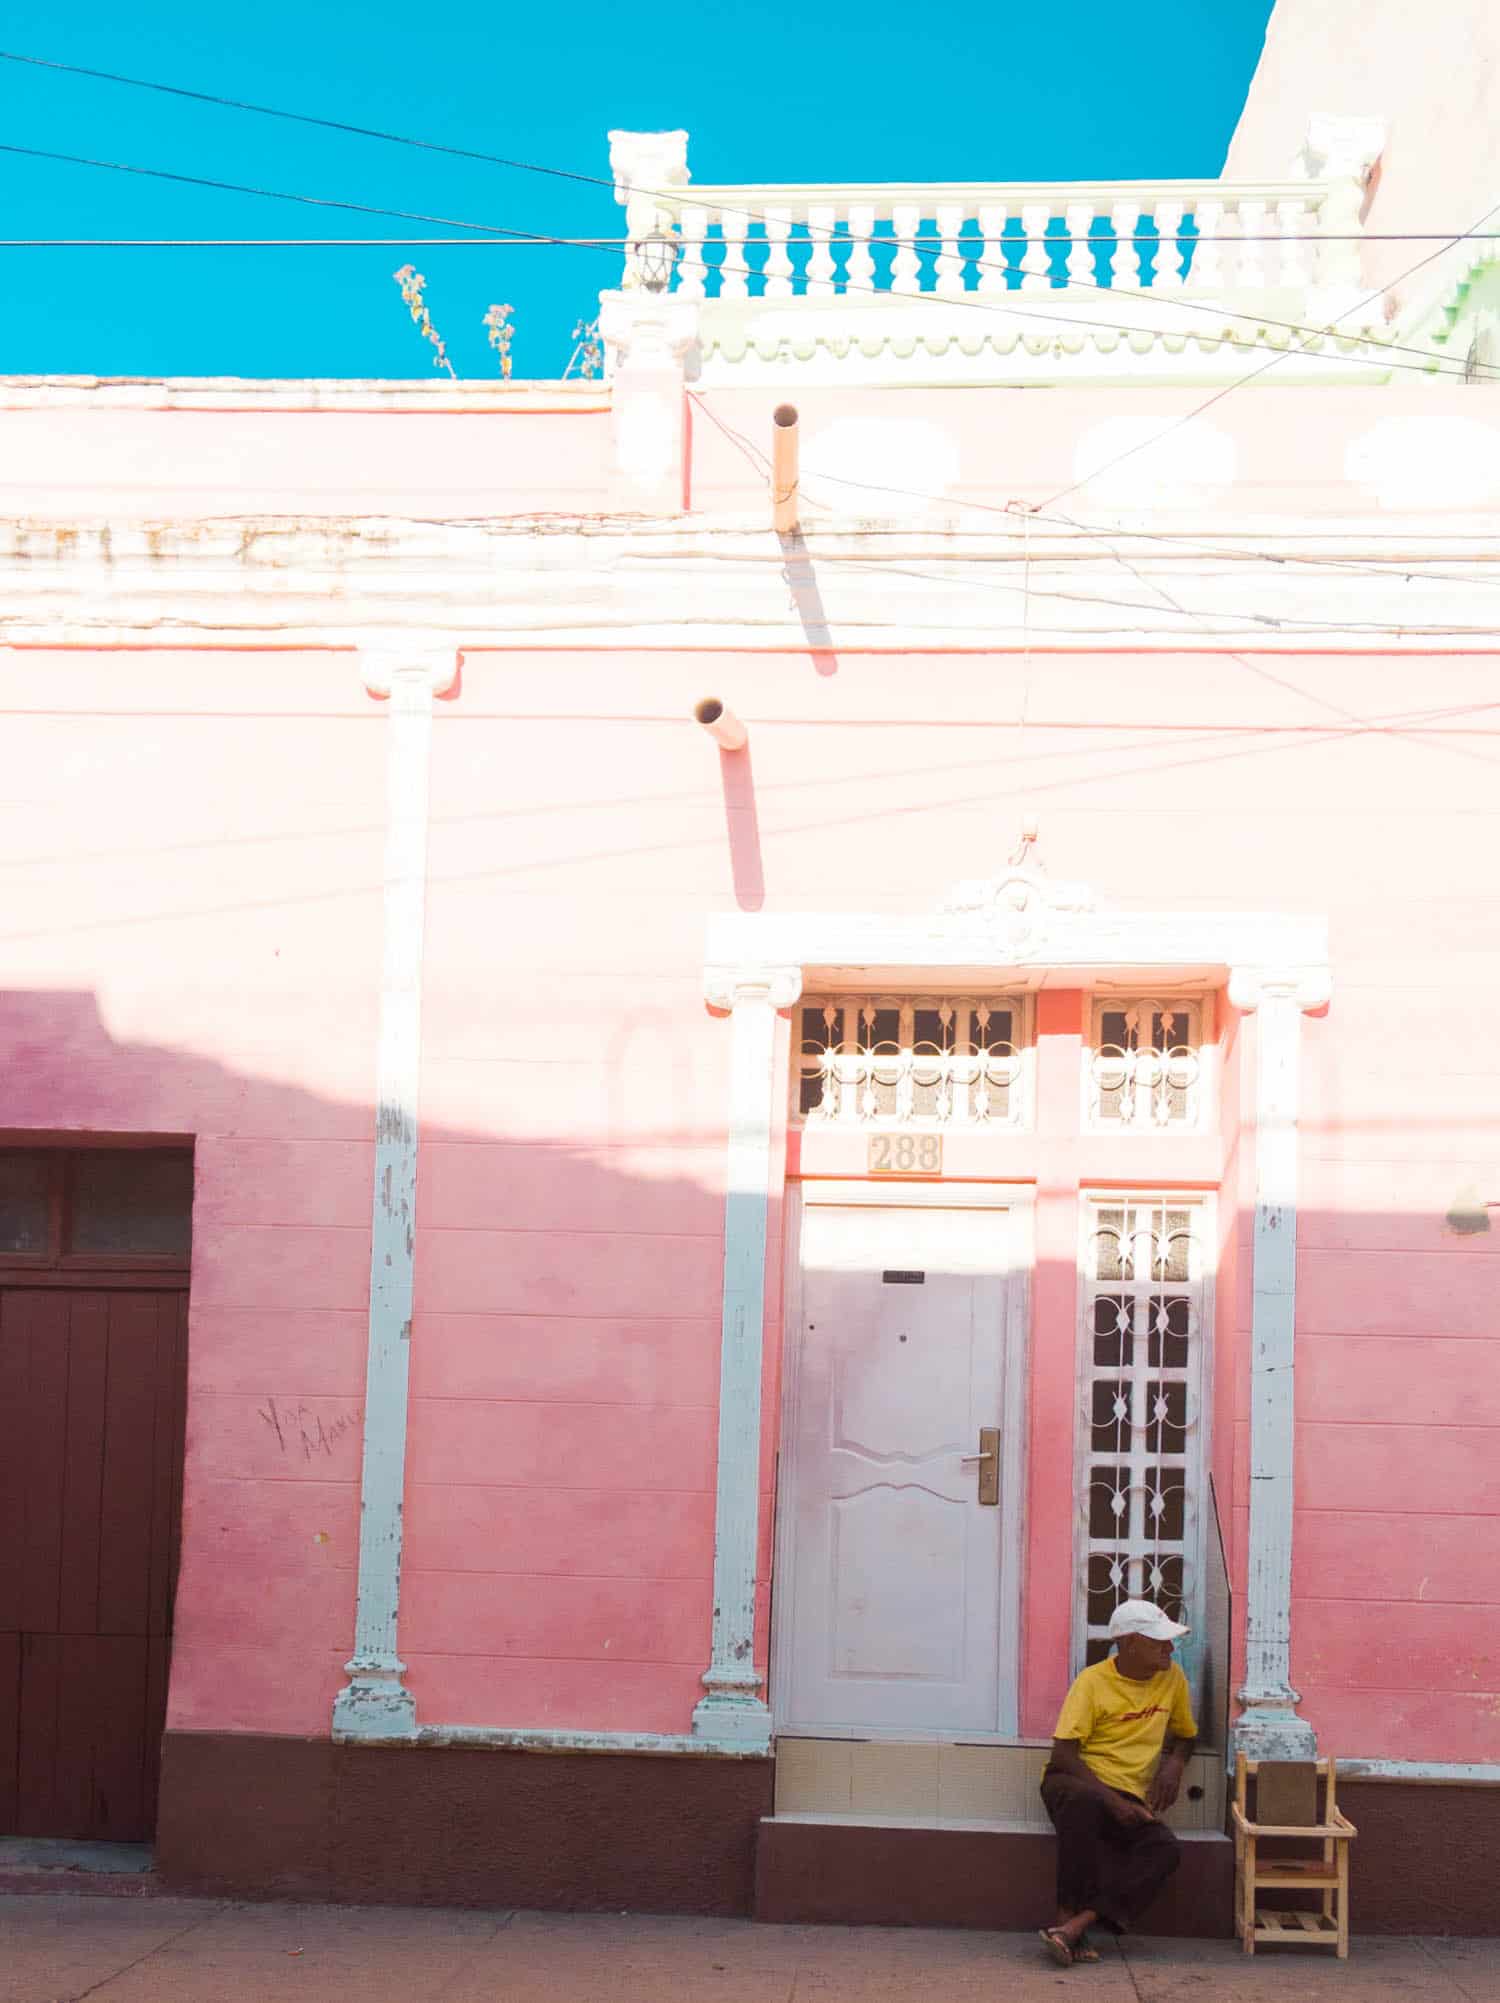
[(918, 1061), (1147, 1064), (1145, 1309)]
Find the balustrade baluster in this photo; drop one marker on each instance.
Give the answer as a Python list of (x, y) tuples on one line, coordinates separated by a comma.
[(1251, 276), (778, 272), (950, 265), (1206, 273), (859, 272), (1166, 273), (1125, 263), (992, 271), (821, 222), (1036, 259), (906, 269), (734, 273), (1080, 220), (1291, 220), (691, 270)]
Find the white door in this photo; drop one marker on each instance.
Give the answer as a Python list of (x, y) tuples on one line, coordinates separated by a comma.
[(897, 1604)]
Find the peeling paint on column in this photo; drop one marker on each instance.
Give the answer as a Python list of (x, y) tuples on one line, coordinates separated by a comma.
[(1269, 1727), (375, 1704), (733, 1709)]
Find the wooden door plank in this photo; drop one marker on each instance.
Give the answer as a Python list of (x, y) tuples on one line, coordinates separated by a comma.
[(158, 1661), (42, 1449), (129, 1453), (101, 1735), (165, 1464), (15, 1342), (10, 1728), (41, 1676), (83, 1461)]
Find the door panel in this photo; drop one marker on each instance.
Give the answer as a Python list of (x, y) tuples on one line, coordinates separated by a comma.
[(92, 1398), (897, 1568)]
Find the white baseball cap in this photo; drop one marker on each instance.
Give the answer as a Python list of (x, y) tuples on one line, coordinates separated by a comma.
[(1141, 1617)]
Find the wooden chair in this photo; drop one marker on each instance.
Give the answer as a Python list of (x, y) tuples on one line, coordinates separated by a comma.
[(1286, 1805)]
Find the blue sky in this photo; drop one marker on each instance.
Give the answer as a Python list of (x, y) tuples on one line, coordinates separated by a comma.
[(777, 93)]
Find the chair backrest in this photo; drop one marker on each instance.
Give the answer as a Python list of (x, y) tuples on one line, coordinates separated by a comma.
[(1286, 1793)]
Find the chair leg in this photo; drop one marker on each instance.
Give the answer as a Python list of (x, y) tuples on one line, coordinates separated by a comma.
[(1343, 1946), (1247, 1899)]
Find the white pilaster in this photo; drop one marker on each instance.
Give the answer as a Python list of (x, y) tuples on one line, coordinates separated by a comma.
[(374, 1704), (1269, 1727), (733, 1709), (645, 165), (648, 337)]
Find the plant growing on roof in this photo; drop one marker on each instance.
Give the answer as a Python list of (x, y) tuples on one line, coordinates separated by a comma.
[(412, 283), (587, 354), (499, 332)]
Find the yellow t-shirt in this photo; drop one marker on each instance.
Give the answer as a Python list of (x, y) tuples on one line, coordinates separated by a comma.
[(1120, 1725)]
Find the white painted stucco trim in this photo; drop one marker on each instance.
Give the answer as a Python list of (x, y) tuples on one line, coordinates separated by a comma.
[(1275, 963), (733, 1708), (375, 1703)]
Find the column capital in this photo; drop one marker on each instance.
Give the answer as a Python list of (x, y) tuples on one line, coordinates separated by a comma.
[(643, 329), (381, 668), (1311, 988), (728, 987)]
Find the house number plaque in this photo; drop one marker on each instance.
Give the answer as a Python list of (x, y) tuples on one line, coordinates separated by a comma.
[(905, 1154)]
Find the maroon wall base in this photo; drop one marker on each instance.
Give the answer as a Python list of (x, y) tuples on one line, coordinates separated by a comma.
[(1425, 1857), (266, 1817), (852, 1874)]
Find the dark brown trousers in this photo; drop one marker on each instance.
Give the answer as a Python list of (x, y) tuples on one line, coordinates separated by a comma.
[(1114, 1868)]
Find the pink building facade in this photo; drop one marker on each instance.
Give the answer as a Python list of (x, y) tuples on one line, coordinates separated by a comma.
[(714, 1265)]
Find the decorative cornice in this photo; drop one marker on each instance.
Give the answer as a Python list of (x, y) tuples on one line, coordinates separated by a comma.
[(436, 667), (1019, 912), (728, 987), (1311, 988)]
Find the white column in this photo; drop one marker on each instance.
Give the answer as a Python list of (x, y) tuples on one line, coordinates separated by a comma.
[(648, 337), (374, 1704), (1269, 1727), (733, 1709)]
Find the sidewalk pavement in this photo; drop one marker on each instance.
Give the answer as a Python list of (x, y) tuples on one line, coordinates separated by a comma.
[(59, 1947)]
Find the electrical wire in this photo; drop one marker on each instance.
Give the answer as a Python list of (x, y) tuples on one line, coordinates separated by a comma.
[(1229, 388), (1018, 512), (281, 195), (599, 181), (494, 231), (304, 243)]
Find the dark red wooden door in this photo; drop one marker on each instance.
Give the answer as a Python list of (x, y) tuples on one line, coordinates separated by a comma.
[(92, 1400)]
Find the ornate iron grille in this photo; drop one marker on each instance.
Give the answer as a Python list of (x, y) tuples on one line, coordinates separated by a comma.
[(1146, 1064), (1140, 1437), (911, 1061)]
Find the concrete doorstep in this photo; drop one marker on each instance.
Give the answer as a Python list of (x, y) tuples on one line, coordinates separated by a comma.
[(57, 1947)]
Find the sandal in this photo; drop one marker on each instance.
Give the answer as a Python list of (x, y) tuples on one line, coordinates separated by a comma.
[(1056, 1945)]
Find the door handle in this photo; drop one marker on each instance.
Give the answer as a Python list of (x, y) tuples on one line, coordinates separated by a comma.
[(988, 1459)]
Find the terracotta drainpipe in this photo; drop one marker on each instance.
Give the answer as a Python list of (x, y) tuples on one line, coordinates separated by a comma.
[(784, 475), (721, 723)]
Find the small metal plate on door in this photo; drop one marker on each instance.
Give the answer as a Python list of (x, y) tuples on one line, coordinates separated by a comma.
[(989, 1466), (904, 1279)]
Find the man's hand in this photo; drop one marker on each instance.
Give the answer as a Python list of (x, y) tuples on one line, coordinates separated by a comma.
[(1166, 1784), (1128, 1813)]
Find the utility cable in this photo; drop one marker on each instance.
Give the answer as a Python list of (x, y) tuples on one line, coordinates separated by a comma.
[(281, 195), (599, 181)]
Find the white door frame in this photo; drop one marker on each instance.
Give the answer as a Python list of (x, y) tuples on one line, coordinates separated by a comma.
[(1019, 1200)]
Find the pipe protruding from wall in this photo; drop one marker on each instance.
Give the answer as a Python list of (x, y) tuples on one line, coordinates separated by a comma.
[(784, 469), (721, 723)]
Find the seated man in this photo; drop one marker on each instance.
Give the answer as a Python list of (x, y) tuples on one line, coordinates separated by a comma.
[(1118, 1751)]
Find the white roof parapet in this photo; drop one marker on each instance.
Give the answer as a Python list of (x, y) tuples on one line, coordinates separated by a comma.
[(1000, 282)]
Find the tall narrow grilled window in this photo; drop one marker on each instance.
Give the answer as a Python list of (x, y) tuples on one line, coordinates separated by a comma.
[(912, 1061), (1140, 1473), (1147, 1065)]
